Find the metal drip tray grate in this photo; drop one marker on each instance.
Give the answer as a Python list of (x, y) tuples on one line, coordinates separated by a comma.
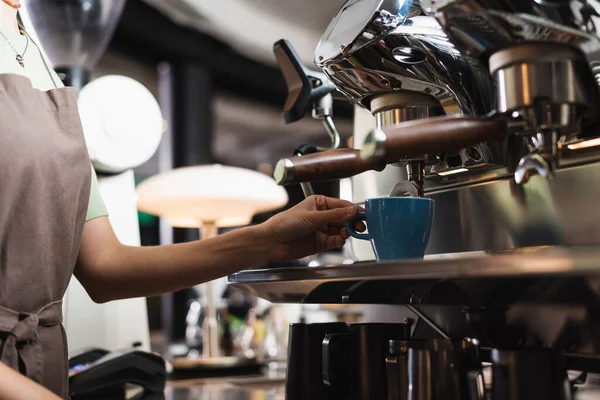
[(541, 274)]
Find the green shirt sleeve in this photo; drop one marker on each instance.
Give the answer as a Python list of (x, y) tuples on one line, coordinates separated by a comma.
[(96, 206)]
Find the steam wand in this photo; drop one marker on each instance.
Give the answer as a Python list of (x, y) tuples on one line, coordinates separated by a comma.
[(322, 110)]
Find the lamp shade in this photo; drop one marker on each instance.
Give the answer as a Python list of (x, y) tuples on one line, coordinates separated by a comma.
[(226, 196), (122, 123)]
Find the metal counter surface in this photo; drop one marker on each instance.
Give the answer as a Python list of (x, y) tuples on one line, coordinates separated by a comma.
[(269, 386), (224, 391), (253, 388), (575, 270)]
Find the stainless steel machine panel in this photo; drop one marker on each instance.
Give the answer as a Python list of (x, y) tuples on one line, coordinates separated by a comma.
[(551, 275), (501, 214)]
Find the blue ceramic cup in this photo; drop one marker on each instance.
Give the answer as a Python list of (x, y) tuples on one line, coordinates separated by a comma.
[(398, 227)]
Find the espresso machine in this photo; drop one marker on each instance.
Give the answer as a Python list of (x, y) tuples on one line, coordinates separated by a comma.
[(490, 108)]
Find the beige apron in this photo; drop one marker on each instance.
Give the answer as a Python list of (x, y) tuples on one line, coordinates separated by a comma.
[(45, 177)]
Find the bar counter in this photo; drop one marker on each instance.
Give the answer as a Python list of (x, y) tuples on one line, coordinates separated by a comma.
[(238, 388), (268, 386)]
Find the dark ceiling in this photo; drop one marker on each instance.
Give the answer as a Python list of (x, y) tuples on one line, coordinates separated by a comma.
[(249, 93)]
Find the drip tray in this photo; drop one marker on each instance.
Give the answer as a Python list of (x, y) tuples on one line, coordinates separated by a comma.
[(549, 275)]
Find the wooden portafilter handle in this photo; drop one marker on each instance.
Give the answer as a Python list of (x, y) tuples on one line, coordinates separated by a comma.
[(431, 136), (323, 166)]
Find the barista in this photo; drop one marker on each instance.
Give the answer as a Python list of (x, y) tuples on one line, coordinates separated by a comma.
[(53, 224)]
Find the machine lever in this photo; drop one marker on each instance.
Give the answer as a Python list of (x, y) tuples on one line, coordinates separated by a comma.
[(305, 86)]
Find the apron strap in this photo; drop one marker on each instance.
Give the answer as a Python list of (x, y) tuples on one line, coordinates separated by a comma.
[(22, 342)]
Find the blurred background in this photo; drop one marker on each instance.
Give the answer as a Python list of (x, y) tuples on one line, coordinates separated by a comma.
[(210, 67), (182, 107)]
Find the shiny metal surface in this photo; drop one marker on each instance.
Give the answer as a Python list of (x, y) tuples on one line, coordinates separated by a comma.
[(544, 56), (407, 189), (371, 184), (488, 210), (359, 22), (530, 165), (480, 27), (547, 85), (374, 145), (500, 214), (266, 387), (449, 279), (481, 208), (391, 109), (398, 115), (415, 187), (332, 131), (284, 170), (556, 81), (307, 189), (412, 54)]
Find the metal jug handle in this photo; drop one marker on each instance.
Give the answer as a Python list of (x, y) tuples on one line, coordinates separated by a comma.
[(335, 367), (476, 384), (392, 369)]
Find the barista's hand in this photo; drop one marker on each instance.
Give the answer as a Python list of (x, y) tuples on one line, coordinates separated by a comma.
[(317, 224)]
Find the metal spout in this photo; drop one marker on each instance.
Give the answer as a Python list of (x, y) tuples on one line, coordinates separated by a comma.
[(530, 165), (415, 185)]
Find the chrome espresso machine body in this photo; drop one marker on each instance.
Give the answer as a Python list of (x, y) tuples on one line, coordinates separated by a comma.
[(493, 110), (499, 66)]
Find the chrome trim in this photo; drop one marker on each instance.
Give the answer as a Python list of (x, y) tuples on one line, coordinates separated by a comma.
[(338, 284), (360, 28), (532, 164), (522, 84), (460, 84), (398, 115), (284, 171), (374, 145), (479, 28)]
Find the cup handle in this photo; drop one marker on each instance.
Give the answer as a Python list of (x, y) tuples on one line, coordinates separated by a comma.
[(334, 358), (360, 216)]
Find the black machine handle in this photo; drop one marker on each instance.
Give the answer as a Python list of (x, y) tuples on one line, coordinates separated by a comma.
[(305, 149), (336, 360), (305, 86)]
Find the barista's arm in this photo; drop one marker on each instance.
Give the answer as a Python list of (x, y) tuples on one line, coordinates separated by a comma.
[(14, 386), (109, 270)]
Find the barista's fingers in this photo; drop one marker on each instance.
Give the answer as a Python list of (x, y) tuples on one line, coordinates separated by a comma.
[(324, 242), (336, 217), (332, 230), (334, 242), (329, 203), (344, 233)]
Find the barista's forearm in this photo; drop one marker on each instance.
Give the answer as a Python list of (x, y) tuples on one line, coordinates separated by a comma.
[(14, 386), (125, 272)]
